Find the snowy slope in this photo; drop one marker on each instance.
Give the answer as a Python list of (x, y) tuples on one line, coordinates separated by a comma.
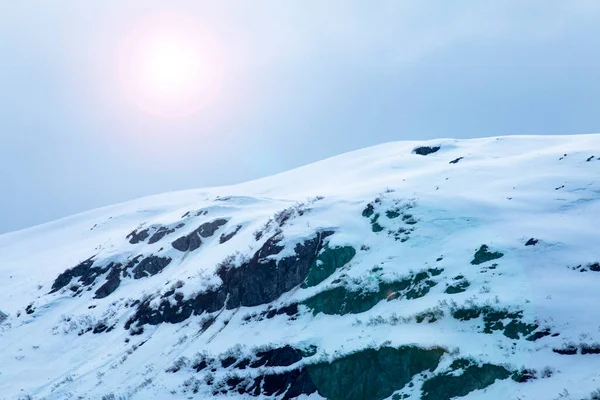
[(475, 267)]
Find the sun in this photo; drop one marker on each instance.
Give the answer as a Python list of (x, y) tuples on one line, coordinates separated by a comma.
[(170, 65)]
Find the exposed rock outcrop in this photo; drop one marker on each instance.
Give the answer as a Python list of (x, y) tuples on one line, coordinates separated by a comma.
[(192, 240), (259, 280)]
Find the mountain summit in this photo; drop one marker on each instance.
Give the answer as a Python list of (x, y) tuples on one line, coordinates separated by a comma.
[(410, 270)]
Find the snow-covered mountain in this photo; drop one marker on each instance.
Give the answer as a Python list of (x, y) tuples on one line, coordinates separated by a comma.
[(429, 270)]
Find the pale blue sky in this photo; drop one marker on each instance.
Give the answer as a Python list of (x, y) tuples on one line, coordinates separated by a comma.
[(303, 81)]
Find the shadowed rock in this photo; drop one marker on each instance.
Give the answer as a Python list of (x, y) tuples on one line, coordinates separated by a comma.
[(328, 261), (136, 237), (162, 232), (113, 281), (192, 240), (262, 279), (277, 357), (531, 242), (209, 228), (259, 280), (367, 374), (448, 386), (340, 300), (483, 255), (149, 266), (425, 150), (85, 271), (226, 237)]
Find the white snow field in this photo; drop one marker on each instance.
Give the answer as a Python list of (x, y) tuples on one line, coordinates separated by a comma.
[(367, 256)]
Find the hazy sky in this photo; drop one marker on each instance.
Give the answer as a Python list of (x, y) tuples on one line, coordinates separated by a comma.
[(301, 81)]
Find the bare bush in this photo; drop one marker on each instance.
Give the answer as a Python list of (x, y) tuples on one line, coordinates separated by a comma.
[(547, 372), (595, 395), (192, 384), (178, 365)]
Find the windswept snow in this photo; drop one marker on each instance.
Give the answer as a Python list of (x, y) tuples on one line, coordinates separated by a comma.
[(427, 213)]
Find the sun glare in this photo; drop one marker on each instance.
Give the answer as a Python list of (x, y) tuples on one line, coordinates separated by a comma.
[(170, 66)]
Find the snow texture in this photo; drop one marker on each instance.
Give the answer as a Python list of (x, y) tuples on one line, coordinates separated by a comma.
[(428, 212)]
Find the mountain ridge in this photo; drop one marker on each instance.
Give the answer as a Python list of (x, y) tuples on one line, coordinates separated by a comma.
[(456, 264)]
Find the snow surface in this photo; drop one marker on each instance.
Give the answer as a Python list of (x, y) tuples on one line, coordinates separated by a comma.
[(504, 191)]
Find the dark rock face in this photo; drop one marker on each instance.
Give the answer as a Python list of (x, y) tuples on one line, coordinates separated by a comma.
[(291, 310), (192, 241), (456, 160), (425, 150), (85, 271), (149, 266), (163, 231), (448, 386), (159, 234), (539, 334), (278, 357), (494, 320), (291, 384), (368, 211), (340, 300), (102, 327), (368, 374), (228, 362), (188, 242), (372, 374), (299, 382), (199, 366), (207, 302), (226, 237), (136, 237), (328, 261), (260, 280), (209, 228), (272, 357), (531, 242), (113, 281), (459, 287), (595, 267), (515, 329), (483, 255)]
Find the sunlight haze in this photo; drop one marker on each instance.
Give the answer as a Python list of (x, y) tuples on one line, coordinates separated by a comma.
[(242, 90)]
